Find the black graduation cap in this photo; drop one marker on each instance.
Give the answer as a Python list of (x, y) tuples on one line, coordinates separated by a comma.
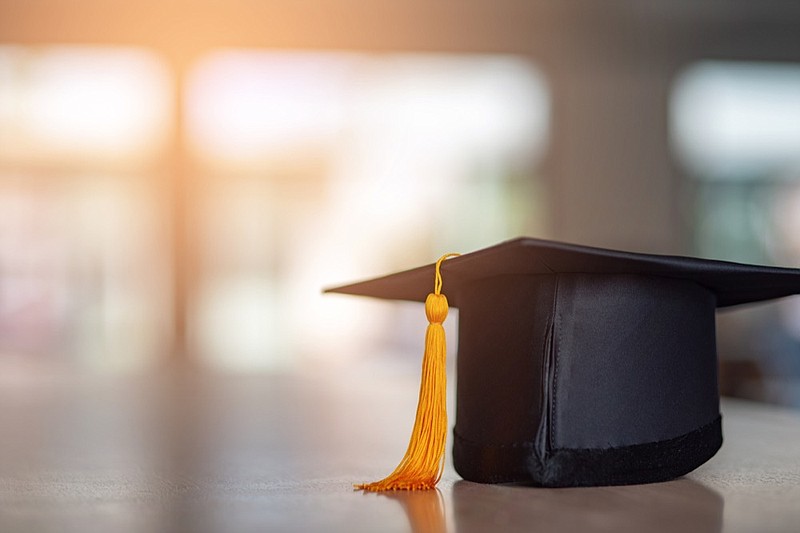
[(581, 366)]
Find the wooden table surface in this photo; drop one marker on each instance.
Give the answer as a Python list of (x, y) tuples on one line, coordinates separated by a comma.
[(189, 452)]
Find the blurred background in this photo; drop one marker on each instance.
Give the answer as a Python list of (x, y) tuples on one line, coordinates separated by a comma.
[(178, 180)]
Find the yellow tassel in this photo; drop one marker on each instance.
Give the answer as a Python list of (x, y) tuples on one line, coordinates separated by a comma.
[(422, 465)]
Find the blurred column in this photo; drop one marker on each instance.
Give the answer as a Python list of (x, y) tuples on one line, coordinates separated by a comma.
[(178, 188), (612, 179)]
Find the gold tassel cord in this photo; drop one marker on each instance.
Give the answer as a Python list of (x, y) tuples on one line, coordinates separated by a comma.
[(423, 463)]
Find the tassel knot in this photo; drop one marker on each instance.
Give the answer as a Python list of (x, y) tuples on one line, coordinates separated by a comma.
[(436, 308)]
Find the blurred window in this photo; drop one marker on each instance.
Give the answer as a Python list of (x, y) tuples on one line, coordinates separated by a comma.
[(84, 264), (736, 129), (324, 167), (83, 106), (306, 169)]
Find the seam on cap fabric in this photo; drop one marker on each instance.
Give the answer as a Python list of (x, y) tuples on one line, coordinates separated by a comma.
[(556, 349)]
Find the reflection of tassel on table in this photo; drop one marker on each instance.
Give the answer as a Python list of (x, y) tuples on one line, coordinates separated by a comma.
[(422, 465), (424, 509)]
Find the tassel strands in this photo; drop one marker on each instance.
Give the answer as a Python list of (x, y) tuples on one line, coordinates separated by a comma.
[(423, 463)]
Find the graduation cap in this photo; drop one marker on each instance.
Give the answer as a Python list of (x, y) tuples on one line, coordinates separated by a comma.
[(577, 366)]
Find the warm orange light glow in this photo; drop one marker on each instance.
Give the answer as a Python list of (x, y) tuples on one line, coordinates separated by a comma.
[(83, 104)]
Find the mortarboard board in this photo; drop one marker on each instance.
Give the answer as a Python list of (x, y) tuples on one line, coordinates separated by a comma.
[(582, 366)]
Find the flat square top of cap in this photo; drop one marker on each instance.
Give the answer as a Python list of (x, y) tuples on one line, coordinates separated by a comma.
[(732, 283)]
